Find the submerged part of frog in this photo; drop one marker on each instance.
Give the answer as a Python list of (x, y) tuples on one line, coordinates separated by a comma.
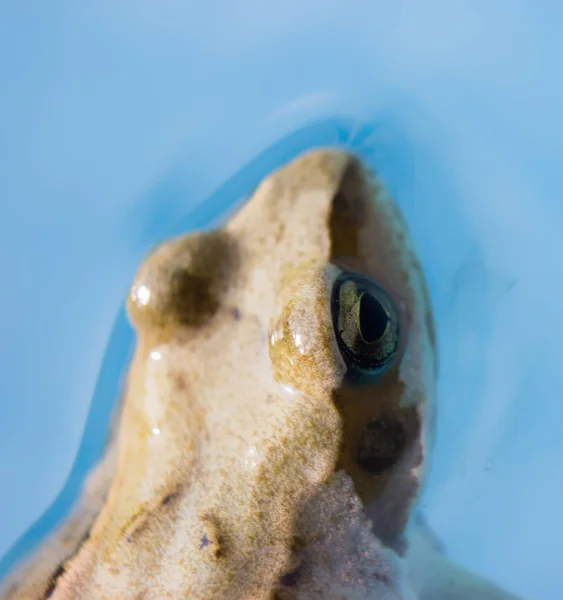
[(276, 416)]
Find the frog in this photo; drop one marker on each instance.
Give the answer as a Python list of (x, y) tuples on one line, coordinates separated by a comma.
[(277, 417)]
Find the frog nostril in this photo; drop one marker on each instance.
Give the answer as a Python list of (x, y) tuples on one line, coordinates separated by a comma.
[(381, 444)]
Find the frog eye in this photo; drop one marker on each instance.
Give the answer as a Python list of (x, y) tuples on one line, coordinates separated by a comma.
[(366, 323)]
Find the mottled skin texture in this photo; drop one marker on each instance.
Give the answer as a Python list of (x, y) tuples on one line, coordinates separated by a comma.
[(233, 471)]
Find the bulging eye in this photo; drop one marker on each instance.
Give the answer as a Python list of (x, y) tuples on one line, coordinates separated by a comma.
[(366, 323)]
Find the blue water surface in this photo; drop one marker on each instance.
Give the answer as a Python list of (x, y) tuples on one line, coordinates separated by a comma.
[(123, 122)]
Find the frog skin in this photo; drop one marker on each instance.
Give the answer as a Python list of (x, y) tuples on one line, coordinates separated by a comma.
[(277, 414)]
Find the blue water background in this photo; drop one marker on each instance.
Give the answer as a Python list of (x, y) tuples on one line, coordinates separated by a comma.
[(124, 122)]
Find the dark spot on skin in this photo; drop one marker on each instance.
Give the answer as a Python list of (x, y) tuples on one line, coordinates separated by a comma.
[(61, 568), (191, 296), (381, 444), (219, 550), (180, 382), (291, 578), (135, 525), (86, 537), (169, 497), (194, 287), (54, 579), (212, 540), (236, 313), (186, 280), (141, 520)]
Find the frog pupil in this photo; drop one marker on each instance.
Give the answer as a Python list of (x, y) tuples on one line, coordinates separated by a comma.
[(372, 319)]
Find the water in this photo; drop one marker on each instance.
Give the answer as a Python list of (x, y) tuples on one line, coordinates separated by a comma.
[(122, 123)]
